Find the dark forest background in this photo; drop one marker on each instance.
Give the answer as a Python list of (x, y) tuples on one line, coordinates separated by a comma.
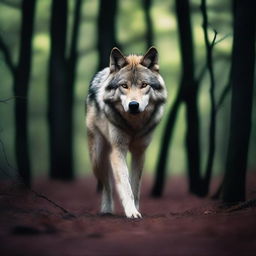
[(49, 51)]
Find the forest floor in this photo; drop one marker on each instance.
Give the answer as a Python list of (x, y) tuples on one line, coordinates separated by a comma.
[(176, 224)]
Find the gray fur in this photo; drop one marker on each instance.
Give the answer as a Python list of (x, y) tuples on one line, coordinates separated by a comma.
[(112, 128)]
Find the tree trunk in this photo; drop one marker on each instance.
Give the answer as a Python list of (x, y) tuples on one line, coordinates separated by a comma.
[(61, 165), (106, 31), (71, 78), (212, 127), (21, 85), (160, 174), (188, 93), (242, 76), (148, 21)]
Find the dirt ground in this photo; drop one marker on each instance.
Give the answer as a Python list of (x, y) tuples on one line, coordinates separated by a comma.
[(177, 224)]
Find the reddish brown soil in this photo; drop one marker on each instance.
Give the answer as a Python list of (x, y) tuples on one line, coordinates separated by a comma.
[(177, 224)]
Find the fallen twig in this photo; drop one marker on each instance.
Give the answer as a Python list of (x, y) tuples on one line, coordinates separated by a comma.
[(19, 180), (244, 205), (71, 215)]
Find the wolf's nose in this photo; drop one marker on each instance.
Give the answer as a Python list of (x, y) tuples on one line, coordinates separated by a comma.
[(134, 107)]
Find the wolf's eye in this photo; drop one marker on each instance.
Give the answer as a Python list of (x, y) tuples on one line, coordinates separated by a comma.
[(143, 85), (125, 86)]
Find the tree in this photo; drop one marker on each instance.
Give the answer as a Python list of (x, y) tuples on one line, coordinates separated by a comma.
[(212, 127), (21, 76), (242, 74), (190, 94), (106, 31), (187, 93), (61, 89)]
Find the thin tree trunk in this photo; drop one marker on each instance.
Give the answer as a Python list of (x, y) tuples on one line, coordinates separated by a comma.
[(71, 80), (188, 93), (149, 25), (193, 145), (190, 86), (242, 78), (20, 87), (160, 174), (212, 127), (58, 95), (106, 30)]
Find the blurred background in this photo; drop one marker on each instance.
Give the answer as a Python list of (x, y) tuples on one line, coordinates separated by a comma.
[(131, 36)]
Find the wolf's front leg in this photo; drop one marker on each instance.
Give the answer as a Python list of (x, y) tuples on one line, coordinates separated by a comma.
[(138, 157), (121, 176)]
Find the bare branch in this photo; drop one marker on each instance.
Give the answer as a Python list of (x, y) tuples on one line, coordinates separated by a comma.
[(203, 68), (7, 99), (7, 56), (214, 38), (5, 155), (223, 38)]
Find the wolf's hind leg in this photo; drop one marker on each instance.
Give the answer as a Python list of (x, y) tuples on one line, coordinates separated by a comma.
[(99, 153), (107, 205)]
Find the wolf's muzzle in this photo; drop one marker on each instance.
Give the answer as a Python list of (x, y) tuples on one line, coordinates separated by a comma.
[(134, 107)]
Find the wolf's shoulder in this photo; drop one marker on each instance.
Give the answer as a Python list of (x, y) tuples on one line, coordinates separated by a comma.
[(99, 77), (96, 83)]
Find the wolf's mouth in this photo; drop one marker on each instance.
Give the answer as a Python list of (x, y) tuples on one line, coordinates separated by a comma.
[(134, 112)]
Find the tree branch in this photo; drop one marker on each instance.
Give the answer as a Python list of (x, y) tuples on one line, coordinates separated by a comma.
[(203, 68), (222, 39), (7, 56), (214, 38), (7, 99)]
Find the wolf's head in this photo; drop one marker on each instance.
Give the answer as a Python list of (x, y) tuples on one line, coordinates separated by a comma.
[(135, 83)]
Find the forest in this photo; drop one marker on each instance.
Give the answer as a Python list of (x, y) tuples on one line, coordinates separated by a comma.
[(202, 153)]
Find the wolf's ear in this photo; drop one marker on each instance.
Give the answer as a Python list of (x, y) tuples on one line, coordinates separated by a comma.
[(117, 60), (150, 59)]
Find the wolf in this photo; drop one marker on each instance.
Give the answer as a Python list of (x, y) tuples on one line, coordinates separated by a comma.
[(125, 103)]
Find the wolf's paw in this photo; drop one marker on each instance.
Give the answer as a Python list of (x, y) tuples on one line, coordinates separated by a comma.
[(132, 214), (106, 211)]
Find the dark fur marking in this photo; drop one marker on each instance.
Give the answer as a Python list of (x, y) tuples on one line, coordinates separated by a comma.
[(154, 83), (150, 129), (112, 86), (147, 92), (92, 93), (122, 123), (152, 126), (92, 96)]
